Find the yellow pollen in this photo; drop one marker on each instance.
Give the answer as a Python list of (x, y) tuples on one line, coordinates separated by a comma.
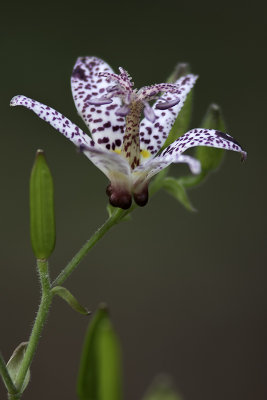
[(118, 151), (145, 153)]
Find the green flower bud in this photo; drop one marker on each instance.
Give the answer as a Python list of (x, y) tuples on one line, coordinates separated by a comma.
[(182, 122), (181, 69), (42, 218), (99, 376), (211, 158)]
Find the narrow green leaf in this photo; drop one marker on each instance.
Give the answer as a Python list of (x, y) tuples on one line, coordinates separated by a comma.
[(42, 219), (99, 375), (161, 389), (182, 123), (177, 190), (70, 299), (5, 375), (211, 158), (14, 363), (190, 181)]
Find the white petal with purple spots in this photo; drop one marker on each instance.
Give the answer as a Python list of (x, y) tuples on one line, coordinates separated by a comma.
[(105, 160), (106, 127), (155, 165), (203, 137), (154, 134), (109, 162), (55, 119)]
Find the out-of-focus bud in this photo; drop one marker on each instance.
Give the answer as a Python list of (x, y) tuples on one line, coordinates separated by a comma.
[(42, 216), (211, 158), (100, 368), (182, 122), (181, 69)]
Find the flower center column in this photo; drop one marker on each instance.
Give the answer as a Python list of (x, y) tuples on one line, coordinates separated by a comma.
[(131, 141)]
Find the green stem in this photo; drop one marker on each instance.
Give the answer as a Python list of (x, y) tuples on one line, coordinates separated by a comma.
[(11, 388), (71, 266), (116, 217), (39, 322), (47, 294)]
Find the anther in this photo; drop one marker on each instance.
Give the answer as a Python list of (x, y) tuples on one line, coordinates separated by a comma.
[(99, 101), (167, 104), (149, 113)]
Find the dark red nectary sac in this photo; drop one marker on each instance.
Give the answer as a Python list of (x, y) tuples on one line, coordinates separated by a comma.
[(141, 198), (119, 198)]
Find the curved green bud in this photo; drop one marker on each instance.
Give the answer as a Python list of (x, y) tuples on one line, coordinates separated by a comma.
[(182, 122), (14, 363), (211, 158), (100, 368), (162, 389), (181, 69), (42, 218), (66, 295)]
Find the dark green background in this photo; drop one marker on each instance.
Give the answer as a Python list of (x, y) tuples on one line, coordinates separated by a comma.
[(187, 291)]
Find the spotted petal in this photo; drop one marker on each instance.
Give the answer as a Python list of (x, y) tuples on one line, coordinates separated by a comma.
[(154, 134), (115, 167), (203, 137), (105, 160), (155, 165), (55, 119), (106, 127)]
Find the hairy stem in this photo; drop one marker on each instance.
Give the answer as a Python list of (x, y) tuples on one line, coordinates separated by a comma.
[(47, 294), (38, 324)]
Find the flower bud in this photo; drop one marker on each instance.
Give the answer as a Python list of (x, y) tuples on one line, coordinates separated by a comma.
[(42, 218), (211, 158)]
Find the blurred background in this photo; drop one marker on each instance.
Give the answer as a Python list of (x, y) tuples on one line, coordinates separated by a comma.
[(187, 292)]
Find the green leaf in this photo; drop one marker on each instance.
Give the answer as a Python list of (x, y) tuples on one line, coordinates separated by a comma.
[(42, 218), (192, 180), (211, 158), (70, 299), (177, 190), (182, 122), (162, 389), (14, 363), (99, 375)]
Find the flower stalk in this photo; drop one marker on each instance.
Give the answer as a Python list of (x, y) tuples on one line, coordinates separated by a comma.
[(39, 322)]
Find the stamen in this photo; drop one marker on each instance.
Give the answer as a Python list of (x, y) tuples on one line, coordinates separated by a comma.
[(100, 101), (112, 88), (126, 76), (149, 113), (167, 104), (149, 92), (122, 111)]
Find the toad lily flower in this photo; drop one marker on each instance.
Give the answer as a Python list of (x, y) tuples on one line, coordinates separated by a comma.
[(124, 146)]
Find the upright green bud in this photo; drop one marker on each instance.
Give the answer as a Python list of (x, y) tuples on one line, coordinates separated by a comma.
[(162, 389), (42, 218), (211, 158), (181, 69), (181, 125), (99, 376)]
